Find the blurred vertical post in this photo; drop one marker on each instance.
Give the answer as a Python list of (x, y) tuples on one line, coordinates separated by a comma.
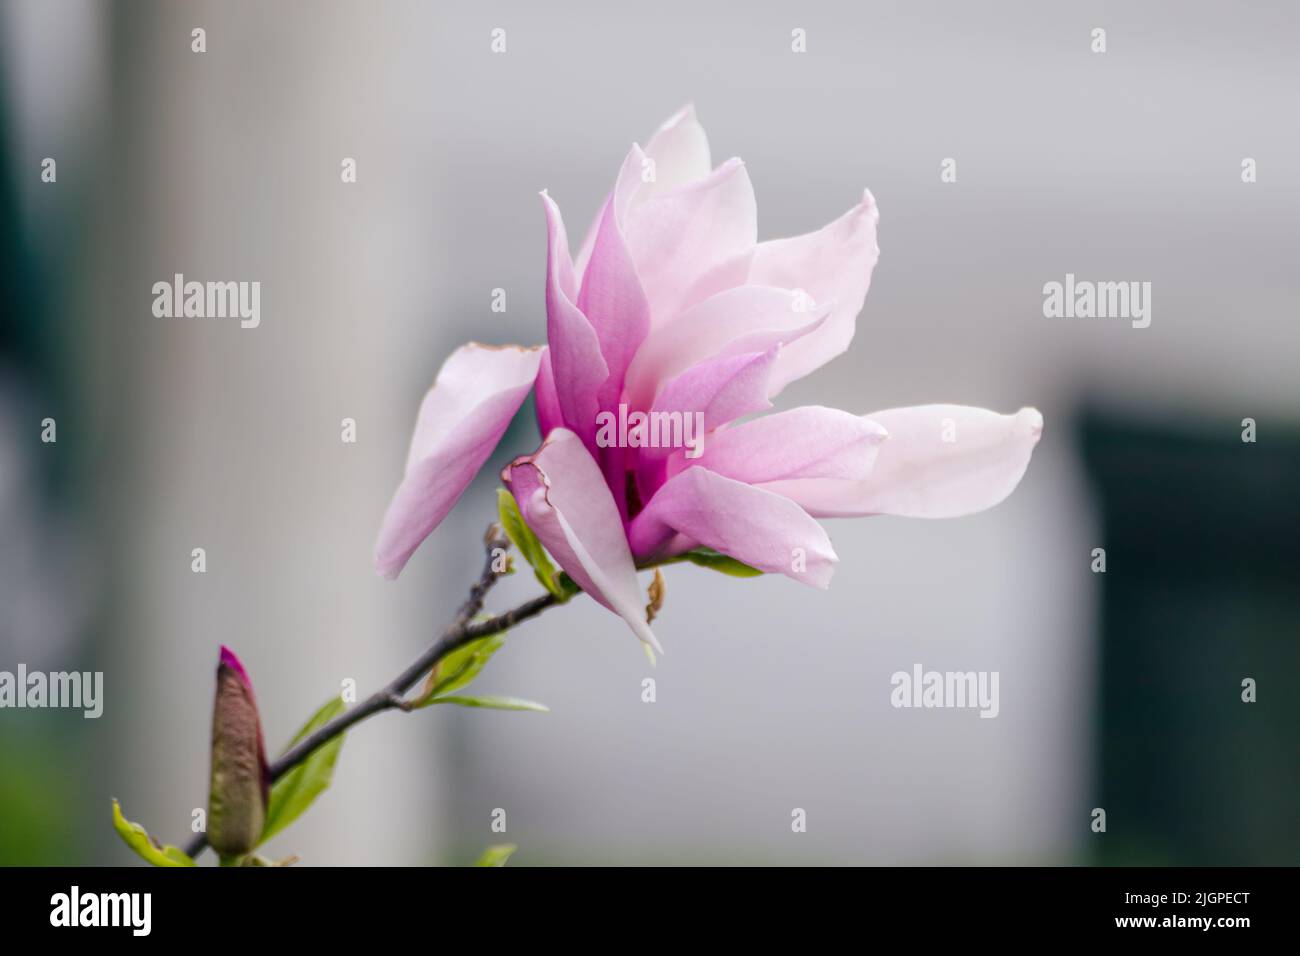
[(236, 509)]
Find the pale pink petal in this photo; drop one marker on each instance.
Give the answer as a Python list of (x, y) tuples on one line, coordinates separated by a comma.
[(762, 529), (939, 461), (577, 369), (742, 320), (808, 442), (565, 501), (546, 398), (719, 390), (680, 151), (612, 297), (833, 263), (476, 394), (693, 241), (589, 241)]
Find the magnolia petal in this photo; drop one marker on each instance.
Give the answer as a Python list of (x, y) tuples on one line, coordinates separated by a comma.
[(680, 152), (547, 399), (565, 501), (577, 368), (753, 525), (719, 390), (939, 461), (833, 263), (612, 297), (463, 416), (693, 241), (737, 321), (808, 442)]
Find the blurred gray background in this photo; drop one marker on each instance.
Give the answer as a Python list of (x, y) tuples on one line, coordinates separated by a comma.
[(182, 434)]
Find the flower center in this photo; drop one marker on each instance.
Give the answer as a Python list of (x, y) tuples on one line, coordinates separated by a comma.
[(632, 494)]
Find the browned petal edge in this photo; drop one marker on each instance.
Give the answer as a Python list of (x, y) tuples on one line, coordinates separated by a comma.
[(531, 459), (502, 348), (485, 347)]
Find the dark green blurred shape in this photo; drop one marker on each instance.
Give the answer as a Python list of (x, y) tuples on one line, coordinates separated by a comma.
[(1201, 590), (38, 826), (40, 763)]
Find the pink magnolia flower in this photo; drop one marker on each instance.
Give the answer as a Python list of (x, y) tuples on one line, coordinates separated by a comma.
[(672, 305)]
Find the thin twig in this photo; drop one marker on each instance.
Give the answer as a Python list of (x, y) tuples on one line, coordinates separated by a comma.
[(393, 695)]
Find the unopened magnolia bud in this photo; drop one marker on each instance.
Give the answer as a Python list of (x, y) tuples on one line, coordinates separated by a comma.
[(241, 782)]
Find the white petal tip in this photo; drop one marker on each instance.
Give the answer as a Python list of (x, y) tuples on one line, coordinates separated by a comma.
[(819, 576), (1031, 419), (868, 205), (684, 114), (646, 636)]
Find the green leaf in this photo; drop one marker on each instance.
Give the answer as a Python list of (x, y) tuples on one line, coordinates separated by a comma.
[(568, 586), (523, 538), (464, 664), (459, 668), (298, 789), (145, 846), (708, 558), (496, 703), (497, 855)]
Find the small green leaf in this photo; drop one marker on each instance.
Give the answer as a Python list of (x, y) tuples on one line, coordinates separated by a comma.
[(496, 703), (464, 664), (298, 789), (461, 666), (497, 855), (708, 558), (523, 538), (568, 586), (145, 846)]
